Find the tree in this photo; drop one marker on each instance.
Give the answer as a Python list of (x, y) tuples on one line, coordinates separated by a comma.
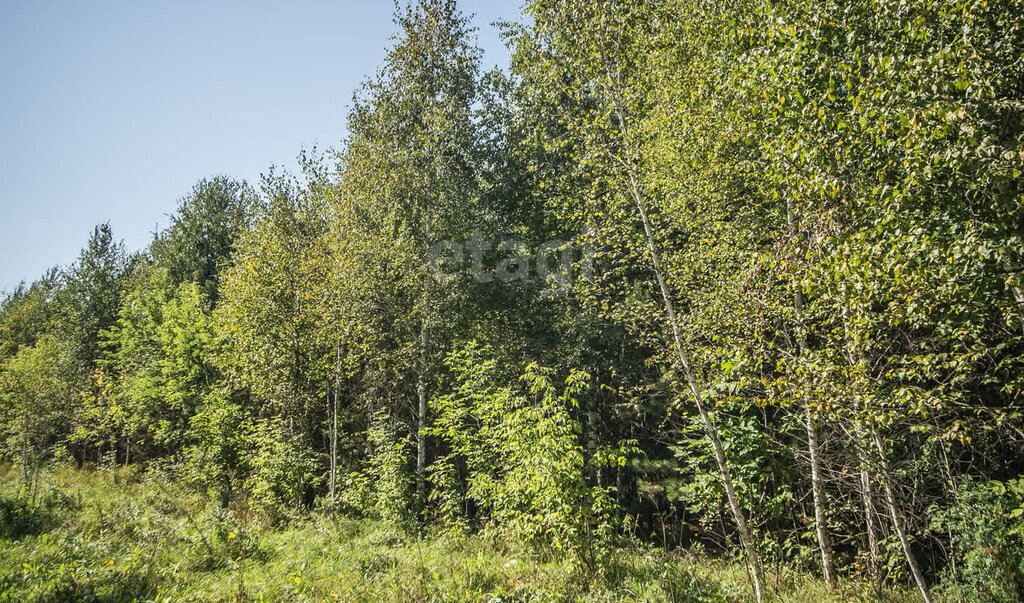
[(90, 299), (160, 361), (33, 407), (266, 313), (873, 125), (203, 232), (407, 168), (26, 314), (87, 305), (583, 64), (519, 444)]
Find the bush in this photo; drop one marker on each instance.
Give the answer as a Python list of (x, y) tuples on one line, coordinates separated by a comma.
[(524, 463), (282, 468), (988, 538), (213, 460), (18, 518), (384, 489)]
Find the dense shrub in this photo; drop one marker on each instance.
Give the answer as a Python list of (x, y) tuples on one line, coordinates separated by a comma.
[(988, 542), (282, 469), (382, 489)]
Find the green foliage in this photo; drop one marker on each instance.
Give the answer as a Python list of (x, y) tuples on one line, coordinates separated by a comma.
[(26, 314), (988, 541), (263, 312), (792, 222), (200, 241), (22, 516), (384, 488), (222, 541), (148, 541), (160, 361), (34, 406), (282, 468), (89, 301), (762, 472), (215, 458), (524, 466)]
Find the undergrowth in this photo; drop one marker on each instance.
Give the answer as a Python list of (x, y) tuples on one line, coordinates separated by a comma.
[(122, 536)]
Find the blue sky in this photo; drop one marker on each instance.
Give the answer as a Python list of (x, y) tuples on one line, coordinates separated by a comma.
[(111, 111)]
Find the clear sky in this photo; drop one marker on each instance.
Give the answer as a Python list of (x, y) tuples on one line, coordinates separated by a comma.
[(111, 111)]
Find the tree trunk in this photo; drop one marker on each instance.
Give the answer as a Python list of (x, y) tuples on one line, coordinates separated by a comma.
[(890, 500), (334, 448), (592, 439), (818, 491), (421, 419), (875, 550), (855, 358), (334, 442), (817, 483), (868, 499), (746, 540)]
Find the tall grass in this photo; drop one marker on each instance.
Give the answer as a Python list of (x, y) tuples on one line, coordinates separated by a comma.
[(123, 536)]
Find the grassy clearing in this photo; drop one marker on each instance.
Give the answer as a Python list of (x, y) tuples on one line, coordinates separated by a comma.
[(120, 536)]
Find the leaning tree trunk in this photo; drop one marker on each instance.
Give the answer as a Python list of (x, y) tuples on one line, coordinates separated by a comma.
[(747, 541), (855, 357), (890, 500), (867, 496), (613, 88)]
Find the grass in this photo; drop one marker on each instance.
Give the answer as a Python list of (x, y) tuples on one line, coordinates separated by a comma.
[(122, 536)]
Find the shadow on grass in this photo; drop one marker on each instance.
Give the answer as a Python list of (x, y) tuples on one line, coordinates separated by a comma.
[(63, 586), (20, 518)]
